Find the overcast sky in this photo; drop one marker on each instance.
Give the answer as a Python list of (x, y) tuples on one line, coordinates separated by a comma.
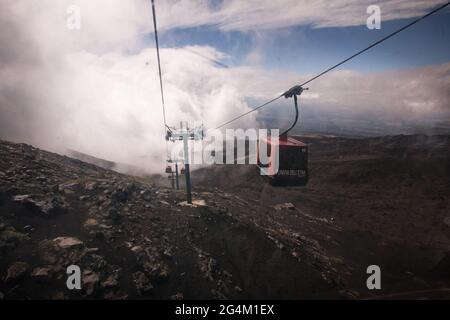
[(96, 89)]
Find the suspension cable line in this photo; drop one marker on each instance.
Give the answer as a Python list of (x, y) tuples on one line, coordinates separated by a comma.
[(159, 65), (342, 62)]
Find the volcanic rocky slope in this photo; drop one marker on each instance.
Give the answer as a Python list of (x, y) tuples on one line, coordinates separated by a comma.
[(376, 201), (380, 201), (131, 239)]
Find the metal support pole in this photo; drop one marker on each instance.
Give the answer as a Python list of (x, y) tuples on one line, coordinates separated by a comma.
[(176, 176), (187, 172), (186, 134)]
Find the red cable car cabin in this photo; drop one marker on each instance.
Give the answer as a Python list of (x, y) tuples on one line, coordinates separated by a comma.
[(292, 162), (292, 169)]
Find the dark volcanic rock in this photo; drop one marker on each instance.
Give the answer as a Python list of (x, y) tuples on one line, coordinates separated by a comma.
[(46, 207), (142, 282), (42, 275), (91, 281), (17, 272), (11, 237)]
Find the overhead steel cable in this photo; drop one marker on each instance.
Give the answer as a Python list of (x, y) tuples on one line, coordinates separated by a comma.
[(376, 43), (342, 62), (159, 64), (160, 77)]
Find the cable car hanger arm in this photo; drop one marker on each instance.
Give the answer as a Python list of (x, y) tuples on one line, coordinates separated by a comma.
[(293, 92)]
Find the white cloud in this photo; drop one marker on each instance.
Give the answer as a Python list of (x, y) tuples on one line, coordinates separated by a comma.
[(398, 93), (76, 89), (83, 90), (268, 14), (388, 102)]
